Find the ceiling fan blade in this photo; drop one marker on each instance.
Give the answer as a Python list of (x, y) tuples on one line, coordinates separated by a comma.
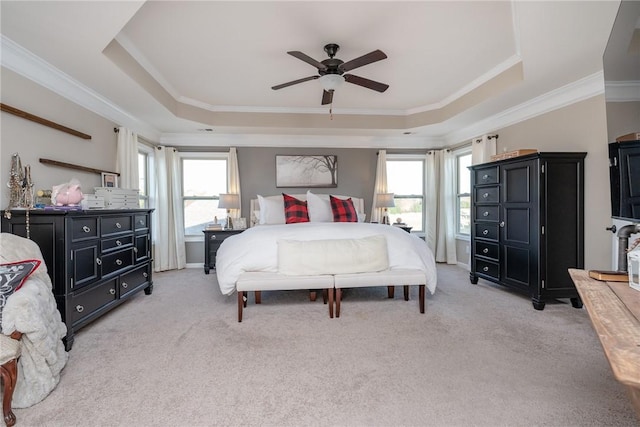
[(308, 59), (294, 82), (327, 97), (376, 55), (369, 84)]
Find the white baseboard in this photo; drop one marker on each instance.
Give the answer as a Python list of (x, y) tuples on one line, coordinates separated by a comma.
[(195, 265), (465, 266)]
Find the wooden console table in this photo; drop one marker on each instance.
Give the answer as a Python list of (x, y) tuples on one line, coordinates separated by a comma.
[(614, 309)]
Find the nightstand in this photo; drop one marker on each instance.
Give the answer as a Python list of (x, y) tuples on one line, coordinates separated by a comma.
[(212, 241)]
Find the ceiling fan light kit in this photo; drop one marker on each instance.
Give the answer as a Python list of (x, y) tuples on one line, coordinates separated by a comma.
[(331, 72)]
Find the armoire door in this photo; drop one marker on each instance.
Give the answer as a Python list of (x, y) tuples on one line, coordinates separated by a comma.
[(519, 224)]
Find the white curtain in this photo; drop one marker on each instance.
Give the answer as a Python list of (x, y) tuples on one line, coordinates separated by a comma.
[(127, 159), (168, 224), (380, 186), (440, 233), (482, 148), (233, 178)]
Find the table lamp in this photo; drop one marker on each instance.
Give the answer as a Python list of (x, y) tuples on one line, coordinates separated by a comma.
[(229, 201), (385, 200)]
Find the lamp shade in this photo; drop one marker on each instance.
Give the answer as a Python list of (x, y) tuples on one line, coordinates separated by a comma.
[(229, 201), (385, 200), (331, 81)]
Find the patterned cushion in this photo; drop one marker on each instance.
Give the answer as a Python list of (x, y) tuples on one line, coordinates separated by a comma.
[(295, 210), (12, 276), (343, 210)]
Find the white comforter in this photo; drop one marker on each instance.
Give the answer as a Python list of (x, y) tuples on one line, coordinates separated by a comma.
[(256, 249)]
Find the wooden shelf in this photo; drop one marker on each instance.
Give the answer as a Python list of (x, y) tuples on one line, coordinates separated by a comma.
[(72, 166), (45, 122)]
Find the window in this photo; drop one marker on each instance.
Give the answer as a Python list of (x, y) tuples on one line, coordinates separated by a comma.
[(204, 177), (463, 206), (405, 179), (143, 179)]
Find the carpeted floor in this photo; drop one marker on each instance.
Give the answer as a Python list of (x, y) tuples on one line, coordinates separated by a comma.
[(479, 356)]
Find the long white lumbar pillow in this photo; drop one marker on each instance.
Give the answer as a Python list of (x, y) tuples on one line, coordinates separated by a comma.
[(333, 256)]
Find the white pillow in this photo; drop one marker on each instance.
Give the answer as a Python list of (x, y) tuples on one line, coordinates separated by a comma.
[(319, 208), (333, 256), (271, 210)]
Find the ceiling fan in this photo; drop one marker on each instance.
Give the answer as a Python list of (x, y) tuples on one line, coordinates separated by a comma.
[(331, 71)]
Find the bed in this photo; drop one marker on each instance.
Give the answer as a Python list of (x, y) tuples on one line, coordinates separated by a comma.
[(271, 250)]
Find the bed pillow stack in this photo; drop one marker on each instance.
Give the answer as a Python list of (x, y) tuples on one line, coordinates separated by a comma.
[(319, 208)]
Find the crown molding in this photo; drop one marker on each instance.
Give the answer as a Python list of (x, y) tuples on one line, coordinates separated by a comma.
[(24, 62), (622, 91), (571, 93)]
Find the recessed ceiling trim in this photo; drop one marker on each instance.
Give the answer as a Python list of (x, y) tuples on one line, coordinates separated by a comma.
[(622, 91), (22, 61), (571, 93)]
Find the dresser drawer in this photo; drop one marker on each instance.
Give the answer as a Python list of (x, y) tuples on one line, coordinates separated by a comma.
[(487, 213), (116, 261), (485, 230), (141, 222), (486, 249), (487, 176), (116, 224), (84, 228), (84, 303), (487, 194), (132, 280), (122, 242), (487, 268)]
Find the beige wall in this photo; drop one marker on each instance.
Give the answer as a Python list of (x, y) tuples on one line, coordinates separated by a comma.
[(577, 127), (33, 141)]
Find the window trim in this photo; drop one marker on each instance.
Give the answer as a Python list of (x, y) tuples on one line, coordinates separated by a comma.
[(209, 155), (421, 158), (463, 151)]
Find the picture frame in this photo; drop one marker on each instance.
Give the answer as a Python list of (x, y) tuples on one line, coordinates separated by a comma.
[(308, 171), (109, 180), (239, 223)]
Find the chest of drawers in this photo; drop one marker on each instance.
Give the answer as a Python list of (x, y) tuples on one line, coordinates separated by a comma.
[(96, 259)]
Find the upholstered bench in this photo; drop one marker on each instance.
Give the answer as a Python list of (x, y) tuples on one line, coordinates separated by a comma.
[(389, 278), (265, 281)]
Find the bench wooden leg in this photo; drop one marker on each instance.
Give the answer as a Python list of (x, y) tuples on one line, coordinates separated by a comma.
[(241, 303), (324, 296), (312, 295), (330, 292), (258, 295), (406, 292), (391, 291), (9, 375), (421, 292), (338, 298)]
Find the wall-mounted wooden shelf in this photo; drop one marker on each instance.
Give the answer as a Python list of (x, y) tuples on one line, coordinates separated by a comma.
[(72, 166), (45, 122)]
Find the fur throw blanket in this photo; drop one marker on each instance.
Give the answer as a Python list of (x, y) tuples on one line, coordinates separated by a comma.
[(32, 310)]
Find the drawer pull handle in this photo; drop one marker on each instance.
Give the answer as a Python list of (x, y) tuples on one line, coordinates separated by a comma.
[(135, 250), (119, 262), (213, 237), (502, 224), (485, 232), (112, 291), (118, 225), (118, 243), (485, 251), (86, 229), (485, 176), (485, 195), (98, 261), (124, 285), (79, 308), (141, 222), (486, 213), (485, 269), (145, 275)]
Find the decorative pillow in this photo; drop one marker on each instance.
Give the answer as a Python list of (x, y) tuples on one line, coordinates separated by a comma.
[(319, 208), (271, 210), (12, 276), (343, 210), (295, 210)]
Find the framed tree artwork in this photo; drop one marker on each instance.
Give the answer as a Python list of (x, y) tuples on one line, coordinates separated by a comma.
[(307, 171)]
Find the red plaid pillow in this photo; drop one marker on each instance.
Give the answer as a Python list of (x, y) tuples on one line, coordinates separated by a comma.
[(343, 210), (295, 210)]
